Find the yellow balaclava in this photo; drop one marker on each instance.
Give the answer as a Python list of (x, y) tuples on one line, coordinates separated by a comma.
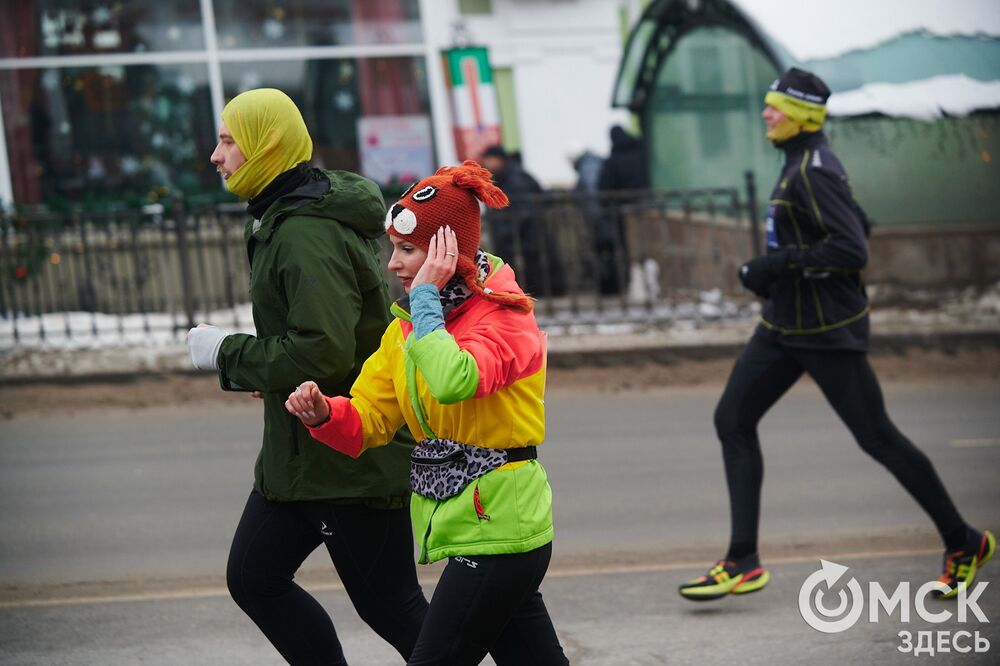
[(270, 132), (801, 96)]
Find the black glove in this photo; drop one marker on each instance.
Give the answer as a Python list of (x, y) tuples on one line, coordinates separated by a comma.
[(758, 273)]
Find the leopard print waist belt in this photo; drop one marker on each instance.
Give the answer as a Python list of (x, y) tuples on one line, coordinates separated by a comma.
[(441, 468)]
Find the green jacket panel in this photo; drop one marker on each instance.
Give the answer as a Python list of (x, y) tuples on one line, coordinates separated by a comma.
[(320, 306), (506, 511)]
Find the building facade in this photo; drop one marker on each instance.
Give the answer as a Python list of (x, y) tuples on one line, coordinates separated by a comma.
[(108, 102), (914, 115)]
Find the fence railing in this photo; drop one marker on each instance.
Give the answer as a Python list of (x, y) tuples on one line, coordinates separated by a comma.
[(146, 275)]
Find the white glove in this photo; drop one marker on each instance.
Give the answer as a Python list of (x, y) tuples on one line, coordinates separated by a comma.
[(204, 343)]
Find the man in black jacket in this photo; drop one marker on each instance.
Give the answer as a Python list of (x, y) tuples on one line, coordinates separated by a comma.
[(625, 167), (815, 321), (623, 171), (518, 233)]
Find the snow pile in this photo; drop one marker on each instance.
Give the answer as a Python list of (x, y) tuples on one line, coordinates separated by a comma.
[(123, 346), (926, 100), (85, 330)]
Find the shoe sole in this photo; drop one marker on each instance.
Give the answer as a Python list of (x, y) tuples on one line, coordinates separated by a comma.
[(754, 585), (740, 587), (991, 547)]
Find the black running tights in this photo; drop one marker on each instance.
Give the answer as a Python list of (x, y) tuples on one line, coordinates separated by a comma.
[(490, 603), (763, 372), (372, 550)]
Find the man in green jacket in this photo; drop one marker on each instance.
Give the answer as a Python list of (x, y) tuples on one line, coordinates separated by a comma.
[(320, 306)]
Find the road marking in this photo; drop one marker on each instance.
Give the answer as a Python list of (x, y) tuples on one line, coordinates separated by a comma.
[(975, 443), (569, 571), (566, 571)]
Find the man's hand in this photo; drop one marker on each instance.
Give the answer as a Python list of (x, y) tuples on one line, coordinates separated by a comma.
[(442, 257), (204, 342), (759, 273), (309, 404)]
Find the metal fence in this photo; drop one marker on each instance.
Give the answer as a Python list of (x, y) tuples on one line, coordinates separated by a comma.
[(149, 274)]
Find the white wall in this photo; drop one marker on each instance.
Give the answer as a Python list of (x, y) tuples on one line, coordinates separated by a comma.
[(564, 55)]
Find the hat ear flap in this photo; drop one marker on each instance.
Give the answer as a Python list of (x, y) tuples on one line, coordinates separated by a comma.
[(471, 176)]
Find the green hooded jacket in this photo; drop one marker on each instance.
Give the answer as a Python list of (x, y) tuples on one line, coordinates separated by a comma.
[(320, 306)]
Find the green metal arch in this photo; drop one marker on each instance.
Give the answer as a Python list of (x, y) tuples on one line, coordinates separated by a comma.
[(660, 28)]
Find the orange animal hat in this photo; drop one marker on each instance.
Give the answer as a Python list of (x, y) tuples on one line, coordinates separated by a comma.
[(451, 197)]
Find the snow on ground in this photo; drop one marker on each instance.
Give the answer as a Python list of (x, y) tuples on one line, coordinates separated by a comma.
[(154, 343)]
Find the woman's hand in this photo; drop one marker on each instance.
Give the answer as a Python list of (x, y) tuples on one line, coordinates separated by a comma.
[(309, 404), (442, 257)]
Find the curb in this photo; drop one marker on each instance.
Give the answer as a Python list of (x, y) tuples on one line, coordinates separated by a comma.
[(646, 352), (881, 345)]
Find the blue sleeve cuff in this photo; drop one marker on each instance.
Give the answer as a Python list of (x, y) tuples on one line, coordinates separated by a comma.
[(425, 310)]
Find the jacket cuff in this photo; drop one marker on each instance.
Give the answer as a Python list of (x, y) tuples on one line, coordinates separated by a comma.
[(426, 312), (342, 430)]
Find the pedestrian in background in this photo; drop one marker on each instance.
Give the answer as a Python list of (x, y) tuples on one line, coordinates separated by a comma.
[(600, 226), (320, 306), (463, 364), (519, 233), (815, 321), (625, 167), (624, 171)]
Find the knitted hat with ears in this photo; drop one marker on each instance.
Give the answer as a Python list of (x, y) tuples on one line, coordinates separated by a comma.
[(451, 198)]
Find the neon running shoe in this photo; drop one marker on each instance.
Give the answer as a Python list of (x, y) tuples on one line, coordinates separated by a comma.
[(727, 577), (960, 566)]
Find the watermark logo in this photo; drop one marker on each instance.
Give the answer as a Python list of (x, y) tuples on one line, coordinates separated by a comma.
[(815, 611), (840, 614)]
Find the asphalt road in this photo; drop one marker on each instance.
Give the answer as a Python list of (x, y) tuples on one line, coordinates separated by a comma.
[(116, 524)]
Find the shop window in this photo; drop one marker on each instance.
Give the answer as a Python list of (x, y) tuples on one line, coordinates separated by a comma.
[(108, 134), (78, 27), (370, 115), (263, 23)]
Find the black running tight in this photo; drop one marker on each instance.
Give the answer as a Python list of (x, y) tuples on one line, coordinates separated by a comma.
[(372, 550), (763, 373), (490, 603)]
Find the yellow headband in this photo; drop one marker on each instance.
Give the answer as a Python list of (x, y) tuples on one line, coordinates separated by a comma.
[(270, 132), (807, 114)]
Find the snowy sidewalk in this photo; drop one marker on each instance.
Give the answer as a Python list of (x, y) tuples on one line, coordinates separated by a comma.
[(109, 347)]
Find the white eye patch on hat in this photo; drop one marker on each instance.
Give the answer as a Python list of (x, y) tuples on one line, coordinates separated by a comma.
[(401, 218)]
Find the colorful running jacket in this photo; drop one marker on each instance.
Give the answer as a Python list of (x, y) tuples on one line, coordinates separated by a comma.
[(479, 381)]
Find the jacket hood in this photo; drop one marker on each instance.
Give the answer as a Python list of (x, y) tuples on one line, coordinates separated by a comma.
[(353, 200), (501, 277)]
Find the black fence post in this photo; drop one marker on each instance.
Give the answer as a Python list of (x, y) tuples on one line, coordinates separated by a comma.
[(9, 300), (751, 186), (187, 293), (88, 288)]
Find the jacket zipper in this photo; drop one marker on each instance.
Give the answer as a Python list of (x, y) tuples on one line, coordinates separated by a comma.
[(427, 533), (455, 455)]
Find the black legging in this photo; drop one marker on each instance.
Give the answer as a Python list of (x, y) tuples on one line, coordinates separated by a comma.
[(490, 603), (372, 550), (763, 372)]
